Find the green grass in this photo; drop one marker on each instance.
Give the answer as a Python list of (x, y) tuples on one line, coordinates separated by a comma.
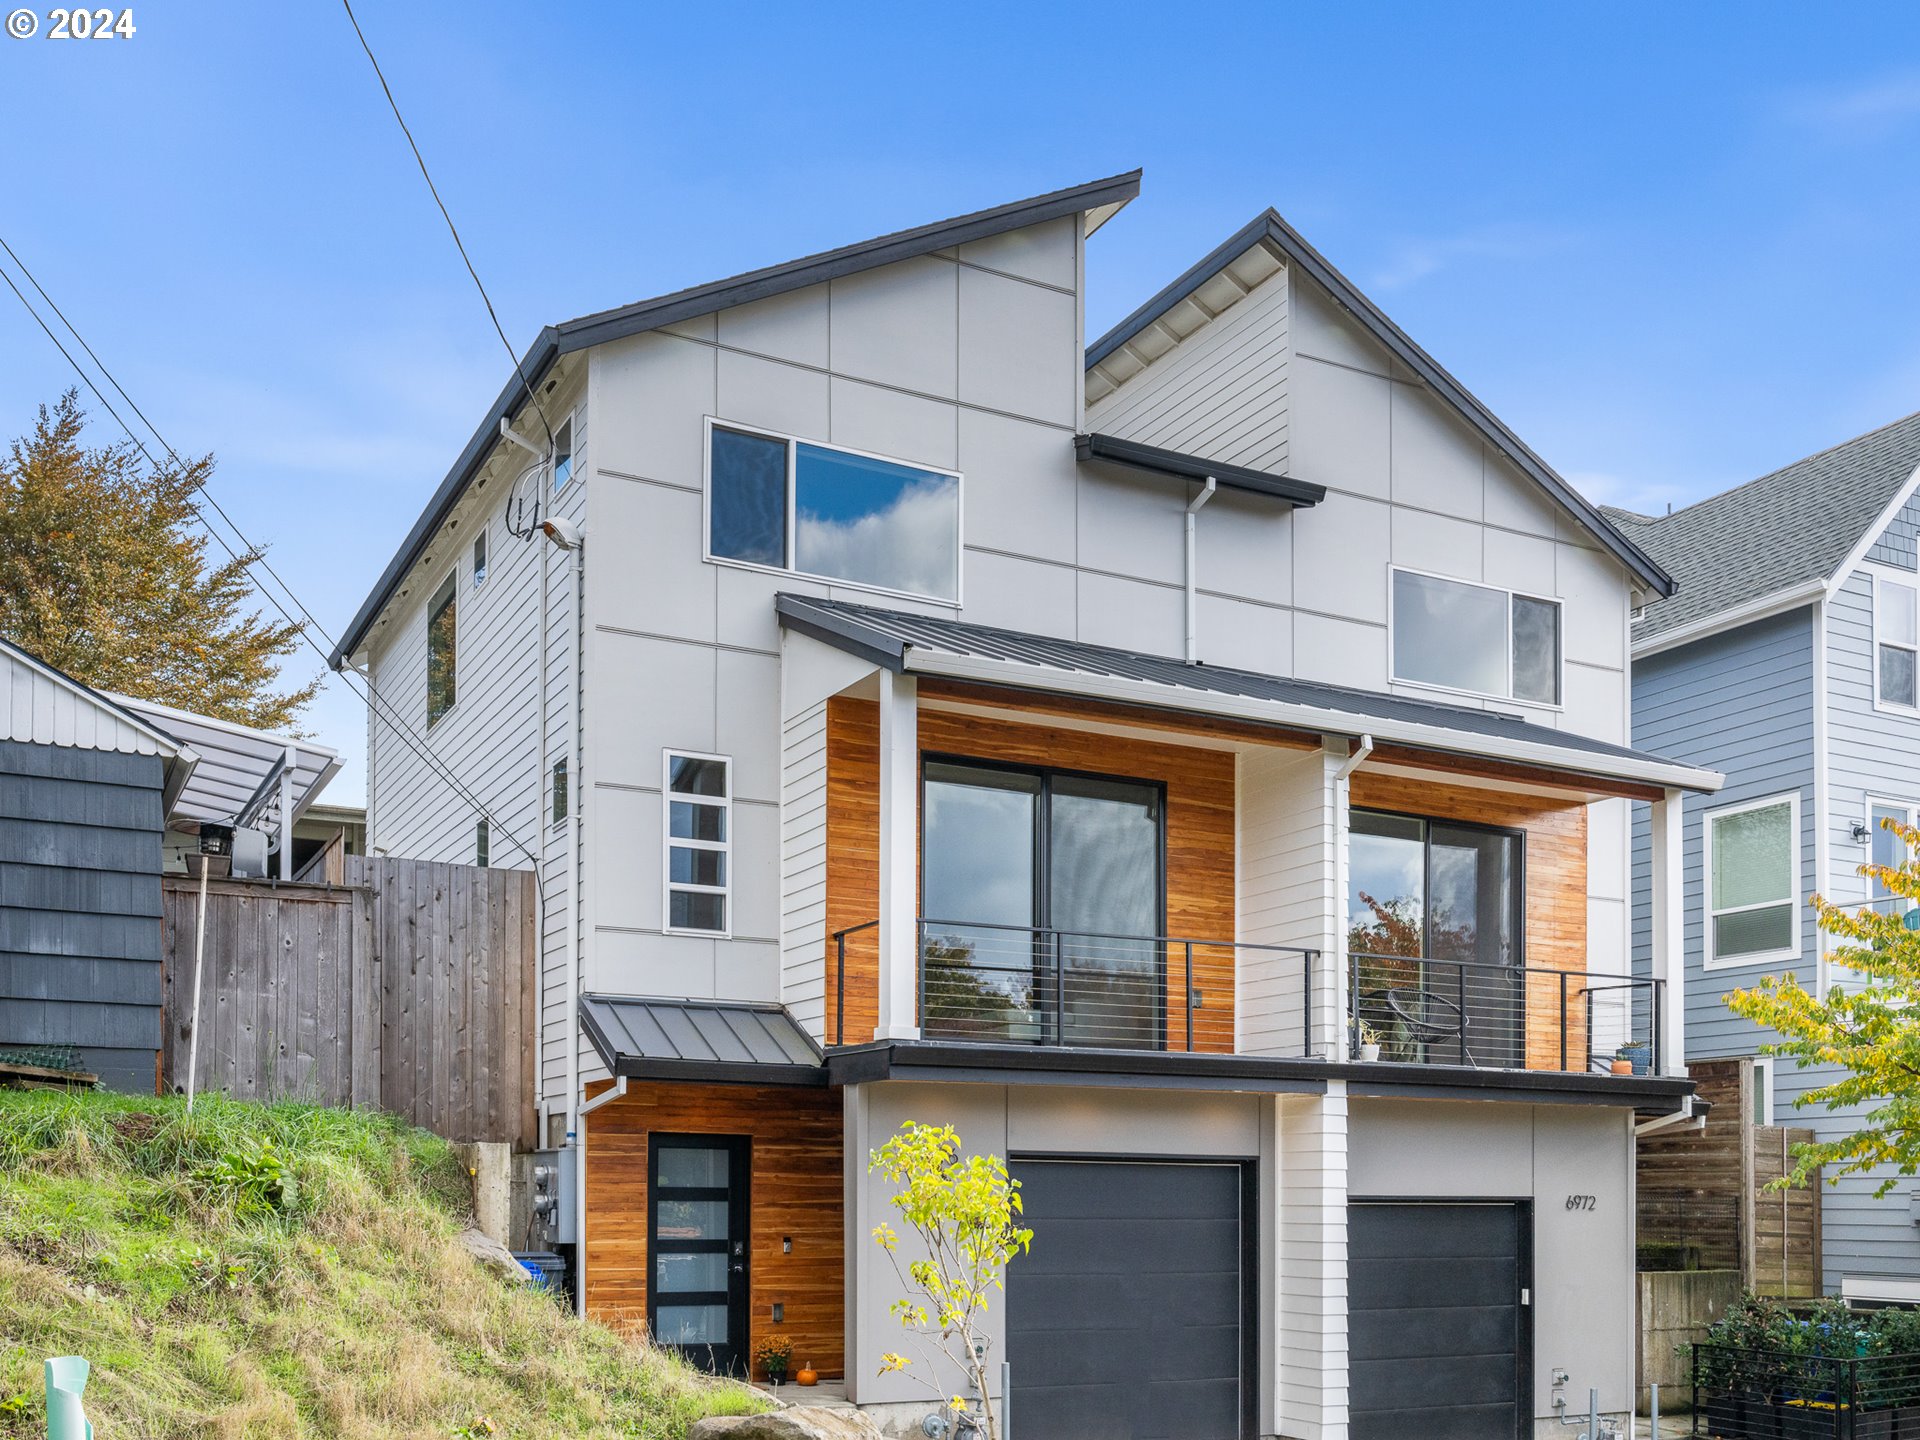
[(287, 1270)]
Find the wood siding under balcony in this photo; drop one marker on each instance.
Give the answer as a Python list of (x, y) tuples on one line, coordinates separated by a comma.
[(1199, 831)]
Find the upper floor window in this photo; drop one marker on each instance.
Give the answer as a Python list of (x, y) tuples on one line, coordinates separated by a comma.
[(1752, 865), (699, 841), (1461, 636), (1896, 640), (479, 559), (563, 454), (1889, 852), (830, 513), (442, 633), (560, 796), (482, 842)]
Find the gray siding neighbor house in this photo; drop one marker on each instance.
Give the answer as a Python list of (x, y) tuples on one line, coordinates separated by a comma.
[(1786, 661), (84, 790)]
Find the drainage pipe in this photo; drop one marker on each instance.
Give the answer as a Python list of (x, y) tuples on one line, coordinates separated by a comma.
[(1194, 507), (199, 955)]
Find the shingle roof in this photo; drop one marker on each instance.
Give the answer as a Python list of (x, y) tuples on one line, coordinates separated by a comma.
[(700, 1039), (1793, 527), (889, 638)]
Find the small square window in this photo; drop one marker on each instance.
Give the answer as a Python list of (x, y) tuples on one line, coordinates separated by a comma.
[(698, 842), (560, 797)]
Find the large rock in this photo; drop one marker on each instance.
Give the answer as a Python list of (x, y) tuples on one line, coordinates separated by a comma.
[(492, 1254), (802, 1422)]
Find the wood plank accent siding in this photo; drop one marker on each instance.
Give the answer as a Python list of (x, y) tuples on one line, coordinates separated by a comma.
[(794, 1192), (1199, 830), (1555, 870), (410, 988)]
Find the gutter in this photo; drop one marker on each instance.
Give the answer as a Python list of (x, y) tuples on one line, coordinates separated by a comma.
[(1683, 1118)]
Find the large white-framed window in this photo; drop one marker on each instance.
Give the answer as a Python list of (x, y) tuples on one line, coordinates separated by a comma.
[(697, 869), (778, 502), (1896, 639), (1751, 859), (1479, 639), (443, 644)]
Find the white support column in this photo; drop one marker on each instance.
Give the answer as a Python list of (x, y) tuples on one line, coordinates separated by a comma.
[(899, 831), (1668, 922), (1309, 1333)]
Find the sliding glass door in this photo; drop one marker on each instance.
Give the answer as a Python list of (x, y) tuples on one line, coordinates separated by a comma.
[(1044, 896), (1433, 914)]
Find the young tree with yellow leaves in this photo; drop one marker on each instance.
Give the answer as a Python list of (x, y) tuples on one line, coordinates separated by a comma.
[(104, 574), (1867, 1025), (965, 1210)]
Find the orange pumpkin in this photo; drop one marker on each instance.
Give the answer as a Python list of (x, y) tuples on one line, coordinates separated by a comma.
[(808, 1375)]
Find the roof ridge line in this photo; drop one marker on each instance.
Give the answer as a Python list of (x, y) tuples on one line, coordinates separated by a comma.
[(1782, 469)]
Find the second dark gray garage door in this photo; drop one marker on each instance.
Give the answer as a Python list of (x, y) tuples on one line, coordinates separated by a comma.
[(1125, 1321), (1437, 1334)]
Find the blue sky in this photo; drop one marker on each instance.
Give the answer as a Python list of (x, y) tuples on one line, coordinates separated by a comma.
[(1672, 245)]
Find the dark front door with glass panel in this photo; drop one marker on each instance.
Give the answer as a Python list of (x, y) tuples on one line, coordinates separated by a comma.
[(698, 1243), (1433, 915), (1044, 898)]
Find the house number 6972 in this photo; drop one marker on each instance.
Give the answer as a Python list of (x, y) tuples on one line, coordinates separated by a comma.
[(1581, 1202)]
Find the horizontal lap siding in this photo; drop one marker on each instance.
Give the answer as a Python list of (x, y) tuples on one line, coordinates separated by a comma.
[(1199, 837), (80, 942), (1742, 704), (795, 1192)]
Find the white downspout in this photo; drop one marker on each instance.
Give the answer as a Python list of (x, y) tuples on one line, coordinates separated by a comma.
[(576, 802), (1194, 507), (1356, 757)]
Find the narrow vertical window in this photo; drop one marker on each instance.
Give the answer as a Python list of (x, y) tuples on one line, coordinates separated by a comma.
[(1889, 852), (559, 790), (699, 839), (441, 662), (479, 559), (1896, 641), (563, 454), (482, 843)]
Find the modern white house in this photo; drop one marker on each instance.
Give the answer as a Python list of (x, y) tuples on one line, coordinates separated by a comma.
[(1787, 661), (1195, 764)]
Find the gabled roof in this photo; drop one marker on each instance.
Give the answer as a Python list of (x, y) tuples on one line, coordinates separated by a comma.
[(1784, 537), (1097, 200), (926, 644), (1270, 229)]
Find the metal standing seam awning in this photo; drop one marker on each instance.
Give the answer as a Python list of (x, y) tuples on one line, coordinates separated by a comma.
[(955, 649), (702, 1040)]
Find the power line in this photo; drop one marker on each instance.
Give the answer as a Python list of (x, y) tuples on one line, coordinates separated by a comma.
[(452, 229), (253, 555)]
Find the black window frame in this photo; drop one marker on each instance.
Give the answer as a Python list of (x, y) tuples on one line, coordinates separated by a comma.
[(443, 676)]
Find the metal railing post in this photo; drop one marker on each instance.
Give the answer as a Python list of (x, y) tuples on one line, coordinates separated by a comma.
[(1309, 958), (1353, 1020), (1654, 1027), (1460, 993), (840, 990), (1563, 1020), (1189, 946), (1059, 993)]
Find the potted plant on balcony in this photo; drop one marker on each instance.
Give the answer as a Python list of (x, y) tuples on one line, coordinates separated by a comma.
[(1369, 1046)]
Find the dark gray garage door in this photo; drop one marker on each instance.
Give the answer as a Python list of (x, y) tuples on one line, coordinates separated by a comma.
[(1125, 1322), (1436, 1333)]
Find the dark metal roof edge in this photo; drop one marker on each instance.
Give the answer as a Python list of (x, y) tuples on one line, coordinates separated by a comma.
[(587, 330), (720, 1072), (633, 1065), (1132, 454), (799, 612), (1271, 226), (535, 363), (1431, 1082), (888, 249)]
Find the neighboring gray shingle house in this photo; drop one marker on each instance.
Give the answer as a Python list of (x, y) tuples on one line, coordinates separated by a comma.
[(1787, 661)]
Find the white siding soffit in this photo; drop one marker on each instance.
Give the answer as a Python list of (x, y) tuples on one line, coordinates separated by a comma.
[(928, 645)]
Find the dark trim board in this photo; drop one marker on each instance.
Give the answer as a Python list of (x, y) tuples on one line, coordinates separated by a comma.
[(1132, 455), (970, 1063)]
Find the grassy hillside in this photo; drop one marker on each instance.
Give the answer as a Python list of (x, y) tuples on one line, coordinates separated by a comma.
[(283, 1271)]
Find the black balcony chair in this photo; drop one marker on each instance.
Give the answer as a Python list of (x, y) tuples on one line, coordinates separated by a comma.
[(1426, 1017)]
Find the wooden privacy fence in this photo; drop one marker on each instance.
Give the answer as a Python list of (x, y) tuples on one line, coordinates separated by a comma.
[(1703, 1201), (409, 986)]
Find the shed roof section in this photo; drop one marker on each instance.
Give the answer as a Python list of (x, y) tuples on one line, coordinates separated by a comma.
[(700, 1040), (1247, 259), (1098, 200), (237, 776), (1789, 530), (929, 644)]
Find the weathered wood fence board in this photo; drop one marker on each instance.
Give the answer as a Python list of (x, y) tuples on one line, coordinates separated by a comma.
[(410, 985)]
